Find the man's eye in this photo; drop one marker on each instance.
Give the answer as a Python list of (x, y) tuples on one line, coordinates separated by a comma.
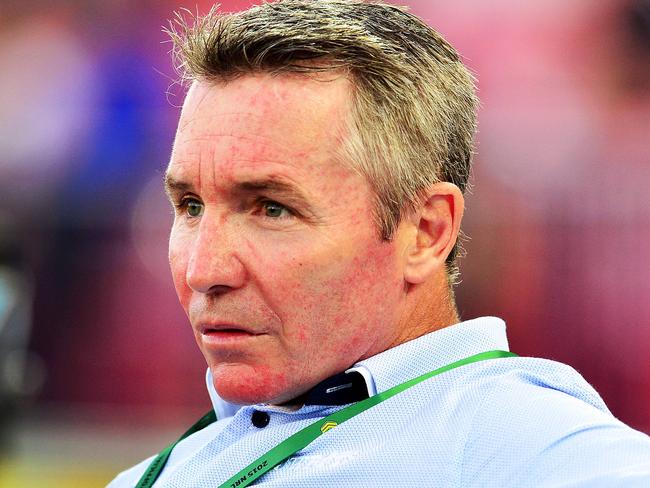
[(274, 210), (193, 208)]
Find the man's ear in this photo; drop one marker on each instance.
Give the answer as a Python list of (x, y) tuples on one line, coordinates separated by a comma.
[(437, 220)]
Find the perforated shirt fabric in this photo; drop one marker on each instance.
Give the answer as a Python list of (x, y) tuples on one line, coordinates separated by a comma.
[(510, 422)]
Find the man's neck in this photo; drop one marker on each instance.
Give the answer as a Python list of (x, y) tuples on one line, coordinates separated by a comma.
[(430, 307)]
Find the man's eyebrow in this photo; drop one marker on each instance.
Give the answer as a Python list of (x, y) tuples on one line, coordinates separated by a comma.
[(174, 186), (273, 185), (268, 184)]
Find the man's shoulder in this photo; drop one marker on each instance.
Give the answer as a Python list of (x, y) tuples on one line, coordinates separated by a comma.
[(530, 400), (526, 378), (525, 394), (501, 385), (130, 477), (538, 419)]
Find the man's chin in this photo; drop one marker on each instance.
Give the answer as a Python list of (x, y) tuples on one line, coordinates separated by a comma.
[(249, 385)]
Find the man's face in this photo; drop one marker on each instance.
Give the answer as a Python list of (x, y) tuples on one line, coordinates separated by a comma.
[(274, 252)]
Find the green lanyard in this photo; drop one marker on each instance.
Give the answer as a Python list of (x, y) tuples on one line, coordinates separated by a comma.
[(306, 436)]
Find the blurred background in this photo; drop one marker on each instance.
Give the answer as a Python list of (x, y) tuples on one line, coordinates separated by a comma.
[(98, 368)]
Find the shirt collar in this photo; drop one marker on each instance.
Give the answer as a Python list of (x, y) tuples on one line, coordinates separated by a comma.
[(410, 359), (435, 350)]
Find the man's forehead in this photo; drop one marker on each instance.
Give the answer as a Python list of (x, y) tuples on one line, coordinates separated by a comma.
[(238, 143), (236, 159), (265, 101), (259, 124)]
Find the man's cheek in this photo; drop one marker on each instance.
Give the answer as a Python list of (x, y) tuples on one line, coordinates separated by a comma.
[(178, 264)]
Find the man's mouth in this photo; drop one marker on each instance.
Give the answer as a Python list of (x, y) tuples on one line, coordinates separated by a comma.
[(216, 328), (224, 334)]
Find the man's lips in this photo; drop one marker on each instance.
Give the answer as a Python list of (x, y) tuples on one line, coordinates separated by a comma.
[(224, 333), (206, 328)]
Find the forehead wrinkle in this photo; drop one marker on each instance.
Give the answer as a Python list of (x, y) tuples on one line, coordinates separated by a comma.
[(209, 137), (217, 119), (269, 153), (184, 123), (212, 165)]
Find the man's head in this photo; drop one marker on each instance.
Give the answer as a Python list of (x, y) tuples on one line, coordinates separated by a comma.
[(317, 176), (413, 102)]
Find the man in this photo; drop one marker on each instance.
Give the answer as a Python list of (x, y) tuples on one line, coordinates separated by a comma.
[(317, 177)]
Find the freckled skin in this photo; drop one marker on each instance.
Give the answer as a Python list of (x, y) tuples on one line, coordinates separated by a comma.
[(322, 290)]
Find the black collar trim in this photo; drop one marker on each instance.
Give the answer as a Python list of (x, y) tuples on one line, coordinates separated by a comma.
[(340, 389)]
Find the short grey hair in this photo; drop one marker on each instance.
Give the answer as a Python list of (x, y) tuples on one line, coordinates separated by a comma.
[(414, 102)]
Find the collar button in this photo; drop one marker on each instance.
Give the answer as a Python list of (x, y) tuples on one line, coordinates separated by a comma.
[(260, 419)]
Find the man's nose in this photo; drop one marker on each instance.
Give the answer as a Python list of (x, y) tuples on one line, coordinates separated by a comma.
[(214, 265)]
